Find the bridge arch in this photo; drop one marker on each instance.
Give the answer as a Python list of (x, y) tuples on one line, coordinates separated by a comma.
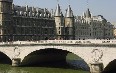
[(74, 50), (7, 53), (111, 67), (45, 55), (4, 58)]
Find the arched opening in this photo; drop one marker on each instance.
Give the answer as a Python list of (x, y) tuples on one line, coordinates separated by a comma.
[(111, 67), (4, 59), (57, 58)]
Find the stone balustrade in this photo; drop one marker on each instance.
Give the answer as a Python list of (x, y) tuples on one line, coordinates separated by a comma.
[(61, 42)]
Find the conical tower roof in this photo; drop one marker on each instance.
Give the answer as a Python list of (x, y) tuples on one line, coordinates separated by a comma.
[(69, 12), (58, 11)]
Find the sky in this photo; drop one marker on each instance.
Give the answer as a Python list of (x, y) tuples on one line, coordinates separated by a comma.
[(107, 8)]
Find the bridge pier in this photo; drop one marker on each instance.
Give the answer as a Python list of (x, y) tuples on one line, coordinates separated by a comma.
[(16, 62), (96, 67)]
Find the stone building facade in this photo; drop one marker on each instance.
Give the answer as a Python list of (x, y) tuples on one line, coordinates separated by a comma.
[(114, 30), (92, 27), (64, 24), (82, 27), (25, 23), (29, 23), (5, 19)]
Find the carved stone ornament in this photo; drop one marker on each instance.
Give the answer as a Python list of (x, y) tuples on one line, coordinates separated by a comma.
[(97, 55), (16, 51)]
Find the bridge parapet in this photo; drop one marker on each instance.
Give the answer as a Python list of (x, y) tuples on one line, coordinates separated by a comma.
[(61, 42)]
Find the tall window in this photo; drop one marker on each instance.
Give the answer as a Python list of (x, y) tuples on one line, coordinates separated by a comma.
[(59, 32), (90, 34), (46, 31)]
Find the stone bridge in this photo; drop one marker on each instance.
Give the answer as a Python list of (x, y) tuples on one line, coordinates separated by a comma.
[(98, 54)]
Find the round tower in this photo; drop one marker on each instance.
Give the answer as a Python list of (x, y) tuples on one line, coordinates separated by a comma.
[(69, 24), (5, 20), (59, 21)]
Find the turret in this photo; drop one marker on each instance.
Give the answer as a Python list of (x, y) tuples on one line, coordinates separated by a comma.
[(88, 13), (6, 20), (69, 24), (59, 20), (69, 12), (52, 13), (27, 8), (58, 11), (84, 15)]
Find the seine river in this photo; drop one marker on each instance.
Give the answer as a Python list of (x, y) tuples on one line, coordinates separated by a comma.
[(60, 68), (73, 65)]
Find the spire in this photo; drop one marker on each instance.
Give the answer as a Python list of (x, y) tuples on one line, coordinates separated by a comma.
[(84, 15), (52, 13), (62, 14), (57, 12), (27, 8), (88, 14), (69, 12)]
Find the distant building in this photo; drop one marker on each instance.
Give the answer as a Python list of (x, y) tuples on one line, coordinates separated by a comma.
[(29, 23), (82, 27), (92, 27), (114, 31)]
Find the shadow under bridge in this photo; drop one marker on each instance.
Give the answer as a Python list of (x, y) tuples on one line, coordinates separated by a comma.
[(51, 57)]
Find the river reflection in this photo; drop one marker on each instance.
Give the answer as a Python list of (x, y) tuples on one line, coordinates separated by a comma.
[(78, 64), (14, 70), (5, 68)]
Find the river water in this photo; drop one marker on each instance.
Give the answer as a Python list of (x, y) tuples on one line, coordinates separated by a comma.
[(72, 67)]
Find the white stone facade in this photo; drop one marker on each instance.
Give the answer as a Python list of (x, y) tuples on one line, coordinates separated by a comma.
[(92, 27)]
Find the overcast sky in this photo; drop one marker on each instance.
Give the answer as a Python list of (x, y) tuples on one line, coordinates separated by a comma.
[(107, 8)]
